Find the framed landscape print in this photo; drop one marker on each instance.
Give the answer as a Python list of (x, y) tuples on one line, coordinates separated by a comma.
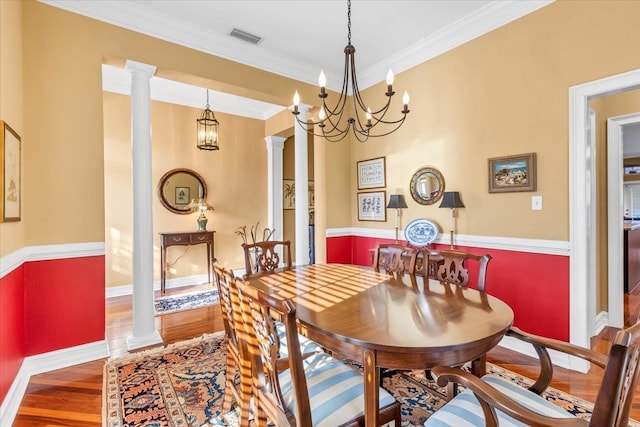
[(512, 173), (371, 206), (10, 173), (371, 174)]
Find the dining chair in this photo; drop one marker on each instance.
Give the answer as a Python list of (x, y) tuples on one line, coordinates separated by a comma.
[(317, 391), (263, 257), (390, 257), (500, 401), (455, 267), (238, 358)]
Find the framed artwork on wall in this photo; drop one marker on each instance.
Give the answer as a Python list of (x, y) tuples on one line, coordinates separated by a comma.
[(371, 206), (183, 195), (512, 173), (371, 173), (10, 173), (289, 194)]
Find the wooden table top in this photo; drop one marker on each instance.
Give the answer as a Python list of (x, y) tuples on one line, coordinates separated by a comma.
[(367, 309)]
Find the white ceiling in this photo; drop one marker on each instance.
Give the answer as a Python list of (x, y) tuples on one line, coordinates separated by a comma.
[(300, 37)]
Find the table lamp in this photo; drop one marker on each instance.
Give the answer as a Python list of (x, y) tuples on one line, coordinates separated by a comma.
[(451, 199), (396, 201), (201, 205)]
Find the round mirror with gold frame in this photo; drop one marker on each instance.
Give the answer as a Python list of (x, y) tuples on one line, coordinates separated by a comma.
[(178, 187), (427, 186)]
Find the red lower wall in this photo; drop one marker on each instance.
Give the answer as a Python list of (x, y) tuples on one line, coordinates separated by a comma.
[(49, 305), (12, 327), (65, 303), (536, 286)]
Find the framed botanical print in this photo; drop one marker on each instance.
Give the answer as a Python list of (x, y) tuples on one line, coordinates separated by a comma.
[(10, 158)]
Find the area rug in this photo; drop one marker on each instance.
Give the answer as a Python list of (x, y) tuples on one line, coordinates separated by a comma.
[(181, 302), (183, 384)]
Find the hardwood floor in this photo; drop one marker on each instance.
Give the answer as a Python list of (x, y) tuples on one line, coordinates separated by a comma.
[(73, 396)]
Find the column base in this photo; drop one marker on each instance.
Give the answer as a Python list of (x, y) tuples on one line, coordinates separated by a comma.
[(134, 343)]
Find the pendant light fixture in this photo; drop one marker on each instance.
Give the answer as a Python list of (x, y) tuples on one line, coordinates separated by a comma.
[(207, 129), (364, 122)]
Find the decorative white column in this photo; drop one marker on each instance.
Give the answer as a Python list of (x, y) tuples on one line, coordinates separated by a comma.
[(275, 145), (144, 332), (302, 188), (320, 202)]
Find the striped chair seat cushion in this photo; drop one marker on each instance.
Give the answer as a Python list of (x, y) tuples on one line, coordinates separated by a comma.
[(464, 410), (307, 346), (336, 391)]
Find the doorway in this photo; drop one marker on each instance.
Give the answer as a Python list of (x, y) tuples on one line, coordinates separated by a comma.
[(582, 209)]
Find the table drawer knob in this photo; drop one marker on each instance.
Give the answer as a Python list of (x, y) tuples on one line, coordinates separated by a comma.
[(177, 239), (201, 237)]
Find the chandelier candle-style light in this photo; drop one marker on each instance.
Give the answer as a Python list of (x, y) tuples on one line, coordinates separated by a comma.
[(207, 129), (364, 122)]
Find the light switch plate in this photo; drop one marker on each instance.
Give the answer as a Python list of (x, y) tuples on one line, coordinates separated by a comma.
[(536, 203)]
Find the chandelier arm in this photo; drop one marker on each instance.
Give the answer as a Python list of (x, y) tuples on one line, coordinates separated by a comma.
[(327, 136), (398, 124)]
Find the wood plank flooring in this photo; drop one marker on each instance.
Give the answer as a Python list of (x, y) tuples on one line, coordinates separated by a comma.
[(73, 396)]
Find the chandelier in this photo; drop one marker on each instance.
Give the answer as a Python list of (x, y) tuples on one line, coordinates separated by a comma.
[(207, 129), (364, 123)]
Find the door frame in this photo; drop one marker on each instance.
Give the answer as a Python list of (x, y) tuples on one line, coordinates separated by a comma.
[(615, 156), (581, 283)]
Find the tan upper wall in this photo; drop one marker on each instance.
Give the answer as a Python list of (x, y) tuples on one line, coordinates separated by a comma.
[(503, 93), (11, 104)]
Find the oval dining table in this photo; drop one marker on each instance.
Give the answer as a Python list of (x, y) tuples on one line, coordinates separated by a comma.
[(406, 323)]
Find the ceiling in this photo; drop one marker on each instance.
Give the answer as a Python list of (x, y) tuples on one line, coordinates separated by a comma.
[(301, 37)]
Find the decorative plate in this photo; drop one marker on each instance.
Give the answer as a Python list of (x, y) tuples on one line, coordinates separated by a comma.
[(421, 232)]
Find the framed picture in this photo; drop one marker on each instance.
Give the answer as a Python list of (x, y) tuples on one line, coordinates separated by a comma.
[(371, 206), (512, 173), (10, 173), (289, 194), (371, 174), (183, 196)]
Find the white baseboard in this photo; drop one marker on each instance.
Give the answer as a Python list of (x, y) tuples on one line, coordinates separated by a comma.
[(178, 282), (602, 320), (46, 362)]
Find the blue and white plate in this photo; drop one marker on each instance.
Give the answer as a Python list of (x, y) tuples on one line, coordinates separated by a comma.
[(421, 232)]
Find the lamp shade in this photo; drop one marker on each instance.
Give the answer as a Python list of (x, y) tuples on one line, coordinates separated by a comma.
[(396, 201), (451, 199)]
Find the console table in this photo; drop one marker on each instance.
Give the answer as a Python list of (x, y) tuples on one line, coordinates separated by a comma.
[(183, 239)]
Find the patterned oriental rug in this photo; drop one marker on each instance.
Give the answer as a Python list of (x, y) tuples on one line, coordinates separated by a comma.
[(181, 302), (183, 384)]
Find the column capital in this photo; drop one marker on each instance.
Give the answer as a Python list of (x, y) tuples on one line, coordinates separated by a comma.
[(275, 142), (134, 66)]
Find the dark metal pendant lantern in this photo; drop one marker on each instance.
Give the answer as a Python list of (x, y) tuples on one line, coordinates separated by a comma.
[(207, 129)]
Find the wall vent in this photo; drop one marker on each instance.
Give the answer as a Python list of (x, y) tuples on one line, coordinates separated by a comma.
[(243, 35)]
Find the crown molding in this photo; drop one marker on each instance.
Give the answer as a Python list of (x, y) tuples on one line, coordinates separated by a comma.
[(142, 20), (487, 19)]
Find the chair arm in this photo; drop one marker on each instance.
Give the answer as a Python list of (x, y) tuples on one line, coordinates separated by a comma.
[(541, 344), (491, 399), (594, 357)]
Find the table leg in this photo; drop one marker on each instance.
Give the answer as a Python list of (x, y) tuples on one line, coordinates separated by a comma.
[(209, 262), (479, 366), (163, 268), (371, 390)]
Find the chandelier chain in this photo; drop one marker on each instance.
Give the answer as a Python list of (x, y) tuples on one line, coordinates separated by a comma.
[(349, 21)]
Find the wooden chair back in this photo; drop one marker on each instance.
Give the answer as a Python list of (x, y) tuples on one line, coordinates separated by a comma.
[(258, 310), (619, 380), (455, 267), (394, 259), (263, 257), (238, 356)]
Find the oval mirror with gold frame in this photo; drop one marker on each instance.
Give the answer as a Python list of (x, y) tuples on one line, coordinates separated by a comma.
[(427, 185), (177, 187)]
